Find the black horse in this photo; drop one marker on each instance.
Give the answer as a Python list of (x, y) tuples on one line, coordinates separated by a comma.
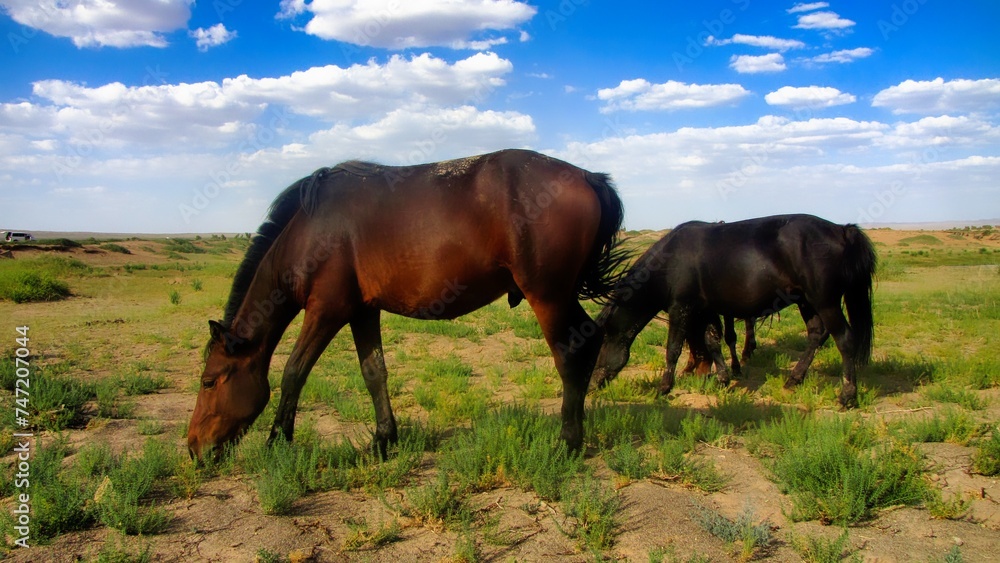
[(747, 269)]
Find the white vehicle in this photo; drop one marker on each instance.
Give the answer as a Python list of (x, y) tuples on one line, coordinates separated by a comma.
[(11, 236)]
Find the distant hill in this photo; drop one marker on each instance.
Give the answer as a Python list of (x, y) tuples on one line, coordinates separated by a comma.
[(931, 226)]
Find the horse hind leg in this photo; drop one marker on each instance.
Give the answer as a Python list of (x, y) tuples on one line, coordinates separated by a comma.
[(367, 332), (816, 334), (730, 334), (750, 344), (575, 341), (836, 324)]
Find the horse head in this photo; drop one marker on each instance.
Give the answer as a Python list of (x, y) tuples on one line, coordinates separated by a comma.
[(234, 391)]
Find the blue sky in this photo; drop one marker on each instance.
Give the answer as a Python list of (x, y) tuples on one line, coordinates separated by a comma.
[(182, 116)]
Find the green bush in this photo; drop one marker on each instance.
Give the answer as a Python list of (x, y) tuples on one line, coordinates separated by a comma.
[(512, 445), (29, 287), (595, 508), (58, 401), (184, 246), (834, 469), (986, 460), (112, 247), (741, 533)]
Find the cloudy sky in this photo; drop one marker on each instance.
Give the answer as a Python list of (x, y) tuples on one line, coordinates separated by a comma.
[(190, 116)]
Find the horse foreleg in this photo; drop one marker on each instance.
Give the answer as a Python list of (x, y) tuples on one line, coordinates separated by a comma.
[(816, 334), (575, 341), (675, 341), (712, 330), (317, 332), (368, 340)]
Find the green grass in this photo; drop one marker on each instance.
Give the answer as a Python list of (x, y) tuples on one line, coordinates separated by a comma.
[(937, 319), (511, 445), (363, 536), (58, 400), (922, 239), (112, 247), (951, 425), (986, 459), (595, 508), (438, 502), (30, 287), (836, 471), (747, 538), (99, 486), (39, 279), (821, 550)]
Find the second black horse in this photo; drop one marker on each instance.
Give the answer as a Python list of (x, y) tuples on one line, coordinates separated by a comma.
[(747, 269)]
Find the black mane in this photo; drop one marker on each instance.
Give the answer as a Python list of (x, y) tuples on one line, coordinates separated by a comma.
[(303, 194)]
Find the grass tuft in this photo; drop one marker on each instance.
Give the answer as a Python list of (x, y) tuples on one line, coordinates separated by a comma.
[(747, 538)]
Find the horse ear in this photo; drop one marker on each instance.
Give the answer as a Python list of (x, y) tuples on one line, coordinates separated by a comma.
[(218, 331), (222, 335)]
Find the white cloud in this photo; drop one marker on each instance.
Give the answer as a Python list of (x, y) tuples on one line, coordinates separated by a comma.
[(938, 96), (834, 168), (750, 64), (417, 134), (766, 41), (843, 56), (803, 7), (212, 114), (103, 23), (391, 24), (823, 20), (808, 97), (943, 131), (641, 95), (212, 37)]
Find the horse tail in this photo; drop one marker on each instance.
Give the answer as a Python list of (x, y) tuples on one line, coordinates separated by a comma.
[(604, 266), (859, 271)]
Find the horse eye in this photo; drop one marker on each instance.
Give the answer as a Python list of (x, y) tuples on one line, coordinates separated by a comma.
[(208, 383)]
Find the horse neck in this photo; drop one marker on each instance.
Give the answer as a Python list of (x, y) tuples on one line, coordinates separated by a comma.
[(626, 318), (267, 310)]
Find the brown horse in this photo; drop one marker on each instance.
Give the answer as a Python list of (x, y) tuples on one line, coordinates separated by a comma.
[(432, 241), (700, 360)]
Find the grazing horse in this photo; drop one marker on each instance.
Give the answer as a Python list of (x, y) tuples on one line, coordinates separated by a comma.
[(431, 241), (700, 361), (747, 269)]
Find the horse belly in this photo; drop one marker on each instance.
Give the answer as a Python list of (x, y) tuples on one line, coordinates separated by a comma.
[(434, 281)]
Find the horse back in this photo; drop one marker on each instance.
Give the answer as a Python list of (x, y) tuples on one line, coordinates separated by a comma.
[(750, 267), (443, 239)]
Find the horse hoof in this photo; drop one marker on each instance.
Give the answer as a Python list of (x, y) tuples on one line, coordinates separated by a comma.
[(792, 383), (849, 400)]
